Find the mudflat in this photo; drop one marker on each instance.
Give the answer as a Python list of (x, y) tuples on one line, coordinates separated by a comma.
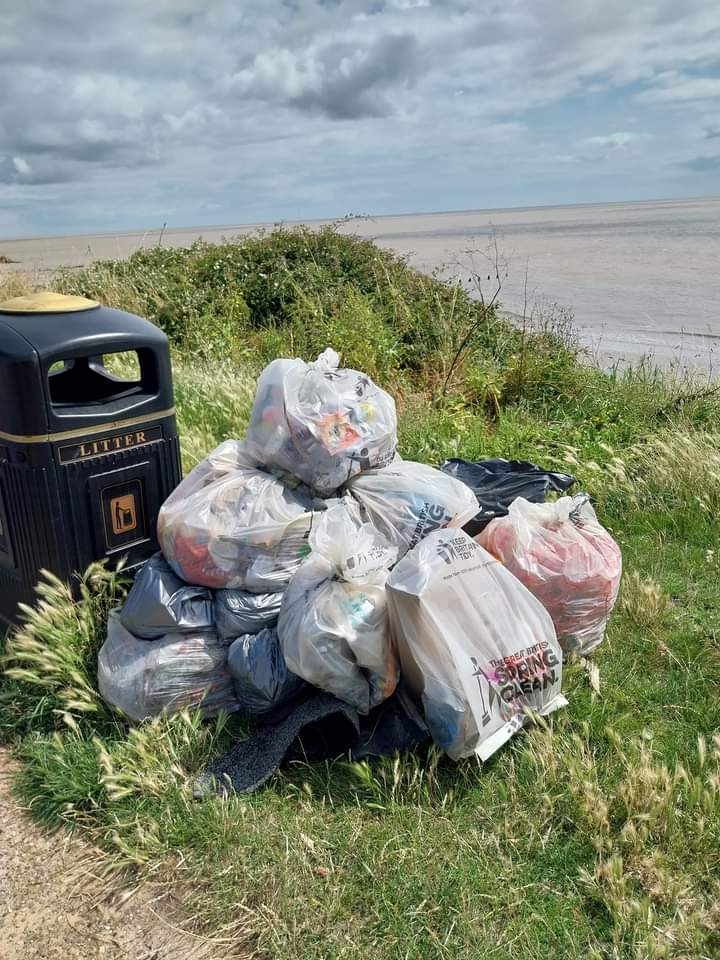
[(641, 278)]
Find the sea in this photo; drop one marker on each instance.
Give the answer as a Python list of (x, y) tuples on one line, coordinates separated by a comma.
[(640, 279)]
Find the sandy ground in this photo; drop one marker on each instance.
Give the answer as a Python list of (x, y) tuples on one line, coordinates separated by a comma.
[(54, 907)]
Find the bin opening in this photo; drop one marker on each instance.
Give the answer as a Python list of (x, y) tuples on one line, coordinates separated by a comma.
[(88, 381)]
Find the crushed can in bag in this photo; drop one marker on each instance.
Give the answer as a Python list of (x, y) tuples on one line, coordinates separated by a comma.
[(475, 646), (333, 624), (320, 423), (566, 559), (231, 525), (406, 501)]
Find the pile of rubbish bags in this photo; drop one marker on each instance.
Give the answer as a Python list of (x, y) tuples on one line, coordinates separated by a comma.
[(309, 559)]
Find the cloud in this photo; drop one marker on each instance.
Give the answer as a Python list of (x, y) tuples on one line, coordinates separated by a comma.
[(341, 81), (702, 164), (677, 88), (613, 141), (272, 108)]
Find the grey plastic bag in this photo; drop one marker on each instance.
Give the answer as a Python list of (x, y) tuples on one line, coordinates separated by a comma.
[(260, 674), (160, 602), (238, 613), (180, 671)]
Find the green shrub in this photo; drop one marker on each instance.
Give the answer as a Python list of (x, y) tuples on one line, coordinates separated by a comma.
[(298, 290)]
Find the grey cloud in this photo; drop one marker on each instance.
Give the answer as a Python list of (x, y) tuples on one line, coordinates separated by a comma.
[(356, 84), (138, 105), (613, 141), (18, 170), (702, 164)]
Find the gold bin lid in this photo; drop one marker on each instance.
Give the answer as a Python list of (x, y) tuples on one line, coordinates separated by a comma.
[(47, 302)]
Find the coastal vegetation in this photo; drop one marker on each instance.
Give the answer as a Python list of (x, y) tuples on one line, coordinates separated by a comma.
[(594, 835)]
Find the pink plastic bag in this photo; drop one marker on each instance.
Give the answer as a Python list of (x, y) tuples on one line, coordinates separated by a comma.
[(567, 559)]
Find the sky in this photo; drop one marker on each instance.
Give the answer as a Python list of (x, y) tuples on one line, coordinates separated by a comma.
[(120, 116)]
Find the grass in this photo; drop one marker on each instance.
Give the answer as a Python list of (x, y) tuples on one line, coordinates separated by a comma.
[(596, 835)]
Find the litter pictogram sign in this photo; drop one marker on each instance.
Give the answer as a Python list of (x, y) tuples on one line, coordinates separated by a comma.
[(123, 514)]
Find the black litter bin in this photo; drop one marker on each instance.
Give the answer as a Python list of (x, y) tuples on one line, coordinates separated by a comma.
[(88, 440)]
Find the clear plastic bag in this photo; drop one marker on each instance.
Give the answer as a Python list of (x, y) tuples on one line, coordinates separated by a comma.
[(567, 559), (238, 613), (262, 679), (406, 501), (230, 525), (475, 645), (143, 678), (333, 624), (159, 602), (319, 423)]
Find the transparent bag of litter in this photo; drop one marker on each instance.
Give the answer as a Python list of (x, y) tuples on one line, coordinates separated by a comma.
[(320, 423), (233, 526), (238, 613), (475, 646), (406, 501), (143, 678), (159, 602), (567, 559), (333, 624), (260, 674)]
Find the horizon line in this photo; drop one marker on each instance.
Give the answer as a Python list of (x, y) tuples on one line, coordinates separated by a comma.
[(345, 218)]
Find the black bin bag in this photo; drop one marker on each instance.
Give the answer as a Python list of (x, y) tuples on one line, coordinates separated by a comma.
[(260, 675), (160, 602), (238, 612), (496, 483)]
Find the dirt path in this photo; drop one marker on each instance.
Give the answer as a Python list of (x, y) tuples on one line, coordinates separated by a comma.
[(53, 907)]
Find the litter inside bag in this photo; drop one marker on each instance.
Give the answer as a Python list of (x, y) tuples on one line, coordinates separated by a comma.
[(234, 526), (260, 674), (406, 501), (475, 645), (159, 602), (567, 559), (238, 613), (320, 423), (333, 624), (143, 678), (496, 483)]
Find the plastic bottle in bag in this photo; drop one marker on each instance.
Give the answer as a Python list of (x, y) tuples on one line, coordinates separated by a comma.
[(143, 678), (406, 501), (229, 525), (567, 559), (260, 675), (333, 624), (320, 423), (475, 646)]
